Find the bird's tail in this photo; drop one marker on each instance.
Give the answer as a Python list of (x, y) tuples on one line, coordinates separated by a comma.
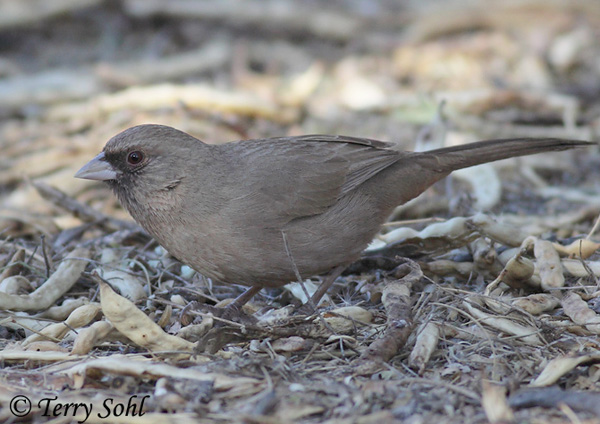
[(449, 159)]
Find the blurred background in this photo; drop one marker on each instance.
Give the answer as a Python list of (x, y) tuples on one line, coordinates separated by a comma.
[(422, 74), (75, 72)]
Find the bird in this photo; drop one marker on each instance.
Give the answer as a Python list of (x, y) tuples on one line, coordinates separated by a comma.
[(265, 212)]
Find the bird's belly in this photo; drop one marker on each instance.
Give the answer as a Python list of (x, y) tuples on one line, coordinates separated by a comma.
[(256, 255)]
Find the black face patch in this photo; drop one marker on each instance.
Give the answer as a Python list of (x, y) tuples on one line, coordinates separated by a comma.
[(119, 160)]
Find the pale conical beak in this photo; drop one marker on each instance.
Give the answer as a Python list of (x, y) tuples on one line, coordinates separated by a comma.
[(97, 169)]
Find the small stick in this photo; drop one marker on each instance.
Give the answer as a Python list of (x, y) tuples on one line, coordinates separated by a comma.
[(295, 269), (299, 277), (45, 254)]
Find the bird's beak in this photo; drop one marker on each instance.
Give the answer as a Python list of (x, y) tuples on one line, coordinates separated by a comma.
[(97, 169)]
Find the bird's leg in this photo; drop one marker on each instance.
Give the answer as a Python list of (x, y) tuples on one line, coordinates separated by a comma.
[(313, 300), (243, 298), (327, 282), (308, 308), (228, 322), (231, 312)]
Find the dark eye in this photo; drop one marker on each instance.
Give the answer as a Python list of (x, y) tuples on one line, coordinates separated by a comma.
[(134, 158)]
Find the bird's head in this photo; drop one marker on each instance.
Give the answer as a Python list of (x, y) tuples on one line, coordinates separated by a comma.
[(143, 162)]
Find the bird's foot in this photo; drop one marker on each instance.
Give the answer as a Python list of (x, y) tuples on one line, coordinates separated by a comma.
[(223, 325), (231, 314), (306, 309)]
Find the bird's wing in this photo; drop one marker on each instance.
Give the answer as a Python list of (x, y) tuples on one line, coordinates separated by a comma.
[(303, 176)]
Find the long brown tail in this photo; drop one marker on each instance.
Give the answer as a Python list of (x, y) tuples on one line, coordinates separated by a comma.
[(449, 159)]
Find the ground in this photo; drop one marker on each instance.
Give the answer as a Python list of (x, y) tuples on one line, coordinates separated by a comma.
[(477, 303)]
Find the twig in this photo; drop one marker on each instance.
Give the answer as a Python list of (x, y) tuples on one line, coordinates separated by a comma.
[(296, 272), (554, 396), (80, 210), (397, 303), (301, 282), (45, 254)]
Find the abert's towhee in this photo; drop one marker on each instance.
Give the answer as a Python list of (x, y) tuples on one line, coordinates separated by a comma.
[(252, 212)]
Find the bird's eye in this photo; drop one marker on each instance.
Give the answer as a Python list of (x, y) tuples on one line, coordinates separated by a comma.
[(134, 158)]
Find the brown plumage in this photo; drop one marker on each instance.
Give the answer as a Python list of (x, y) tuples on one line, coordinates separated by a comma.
[(223, 209)]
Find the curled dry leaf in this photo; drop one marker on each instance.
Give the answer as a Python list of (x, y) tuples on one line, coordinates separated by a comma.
[(580, 313), (59, 283), (346, 319), (537, 304), (454, 232), (548, 265), (62, 311), (484, 253), (297, 291), (583, 248), (129, 285), (447, 267), (9, 355), (178, 299), (292, 344), (453, 229), (90, 336), (83, 315), (194, 332), (528, 243), (508, 235), (51, 332), (80, 317), (498, 304), (45, 346), (15, 284), (558, 367), (342, 340), (577, 269), (495, 404), (427, 341), (508, 254), (518, 273), (135, 325), (21, 320), (165, 318), (275, 316), (525, 333), (144, 368)]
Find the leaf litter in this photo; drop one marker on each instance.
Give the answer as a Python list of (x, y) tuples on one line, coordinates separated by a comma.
[(492, 314)]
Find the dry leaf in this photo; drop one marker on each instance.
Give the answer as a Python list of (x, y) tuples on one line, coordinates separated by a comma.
[(136, 326), (425, 345), (537, 303), (558, 367), (580, 313), (548, 265)]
